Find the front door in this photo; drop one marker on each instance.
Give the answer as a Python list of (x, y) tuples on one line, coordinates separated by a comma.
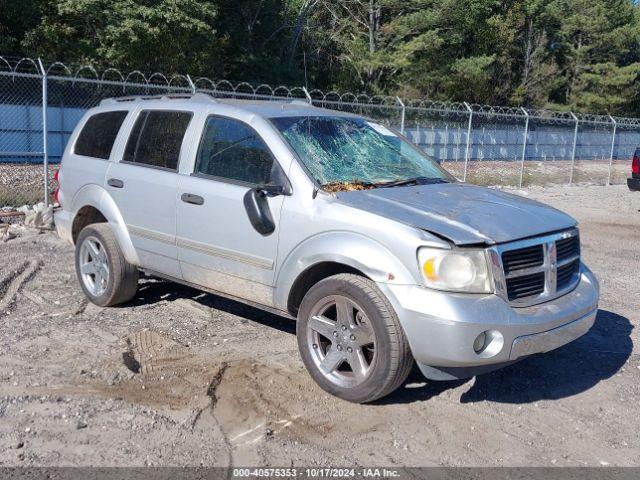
[(218, 247)]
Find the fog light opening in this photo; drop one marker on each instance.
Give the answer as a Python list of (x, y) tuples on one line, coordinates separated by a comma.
[(479, 342), (488, 344)]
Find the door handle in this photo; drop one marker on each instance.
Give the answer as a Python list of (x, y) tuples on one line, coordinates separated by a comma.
[(192, 199), (115, 183)]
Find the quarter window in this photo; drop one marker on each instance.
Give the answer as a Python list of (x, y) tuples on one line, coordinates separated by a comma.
[(232, 150), (156, 138), (98, 134)]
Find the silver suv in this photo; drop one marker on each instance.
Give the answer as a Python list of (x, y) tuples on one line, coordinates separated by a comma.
[(327, 217)]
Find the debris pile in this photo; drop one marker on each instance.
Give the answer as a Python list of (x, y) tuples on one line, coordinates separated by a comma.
[(13, 220), (334, 187), (38, 216)]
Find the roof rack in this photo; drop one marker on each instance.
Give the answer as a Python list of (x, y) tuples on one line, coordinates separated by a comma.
[(205, 97), (167, 96)]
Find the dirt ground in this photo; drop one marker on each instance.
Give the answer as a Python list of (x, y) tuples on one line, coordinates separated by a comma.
[(180, 378)]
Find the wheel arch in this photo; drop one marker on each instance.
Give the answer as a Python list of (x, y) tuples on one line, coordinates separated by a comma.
[(86, 215), (312, 275), (91, 203), (331, 253)]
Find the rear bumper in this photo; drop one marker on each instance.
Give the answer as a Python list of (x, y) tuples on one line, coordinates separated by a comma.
[(441, 327), (63, 222), (633, 183)]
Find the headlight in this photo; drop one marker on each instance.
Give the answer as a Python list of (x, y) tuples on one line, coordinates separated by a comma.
[(455, 270)]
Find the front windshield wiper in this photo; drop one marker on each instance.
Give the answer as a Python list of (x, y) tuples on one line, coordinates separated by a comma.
[(412, 181)]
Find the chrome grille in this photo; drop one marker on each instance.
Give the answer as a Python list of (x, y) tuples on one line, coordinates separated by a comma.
[(532, 271), (566, 274), (567, 248), (514, 260), (525, 286)]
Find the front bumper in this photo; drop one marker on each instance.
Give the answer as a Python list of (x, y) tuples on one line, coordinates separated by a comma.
[(633, 183), (441, 327)]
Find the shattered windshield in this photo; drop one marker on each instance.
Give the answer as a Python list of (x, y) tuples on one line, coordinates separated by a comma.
[(350, 153)]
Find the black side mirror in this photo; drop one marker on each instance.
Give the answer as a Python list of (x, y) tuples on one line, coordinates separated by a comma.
[(271, 190), (256, 204)]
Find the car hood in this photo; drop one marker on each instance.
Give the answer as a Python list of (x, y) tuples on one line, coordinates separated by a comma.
[(465, 214)]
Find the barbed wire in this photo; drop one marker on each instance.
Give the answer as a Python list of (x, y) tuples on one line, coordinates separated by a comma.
[(86, 73)]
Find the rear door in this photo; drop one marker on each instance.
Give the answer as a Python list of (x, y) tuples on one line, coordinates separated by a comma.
[(218, 247), (144, 184)]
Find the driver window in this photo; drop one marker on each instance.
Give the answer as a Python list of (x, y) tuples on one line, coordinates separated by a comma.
[(232, 150)]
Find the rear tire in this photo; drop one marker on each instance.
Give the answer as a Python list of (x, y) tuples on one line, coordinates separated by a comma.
[(350, 339), (104, 274)]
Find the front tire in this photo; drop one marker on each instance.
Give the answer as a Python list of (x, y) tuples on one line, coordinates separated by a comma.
[(104, 274), (350, 339)]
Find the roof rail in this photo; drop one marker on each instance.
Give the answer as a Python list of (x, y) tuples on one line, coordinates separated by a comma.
[(195, 96), (167, 96)]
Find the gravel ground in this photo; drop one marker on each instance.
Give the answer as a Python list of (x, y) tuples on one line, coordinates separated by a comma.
[(23, 183), (179, 377), (542, 173)]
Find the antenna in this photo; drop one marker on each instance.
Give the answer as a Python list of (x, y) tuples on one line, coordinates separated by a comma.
[(304, 61), (308, 95)]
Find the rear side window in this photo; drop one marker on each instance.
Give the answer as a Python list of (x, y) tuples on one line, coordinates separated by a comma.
[(156, 138), (98, 134), (232, 150)]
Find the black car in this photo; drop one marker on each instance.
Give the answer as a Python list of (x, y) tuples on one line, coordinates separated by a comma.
[(634, 181)]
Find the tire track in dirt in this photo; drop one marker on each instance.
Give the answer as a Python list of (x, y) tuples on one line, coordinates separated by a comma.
[(11, 284), (152, 354)]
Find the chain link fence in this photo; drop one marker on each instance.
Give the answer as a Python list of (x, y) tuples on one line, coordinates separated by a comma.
[(480, 144), (21, 138)]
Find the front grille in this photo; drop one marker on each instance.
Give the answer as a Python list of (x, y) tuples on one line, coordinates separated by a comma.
[(566, 274), (526, 286), (528, 268), (514, 260), (567, 248)]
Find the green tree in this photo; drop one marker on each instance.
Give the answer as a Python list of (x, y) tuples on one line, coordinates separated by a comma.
[(578, 54), (262, 38), (164, 35), (598, 49), (439, 48), (16, 18)]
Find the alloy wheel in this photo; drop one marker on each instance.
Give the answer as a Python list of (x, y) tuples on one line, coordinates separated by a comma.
[(94, 266), (341, 340)]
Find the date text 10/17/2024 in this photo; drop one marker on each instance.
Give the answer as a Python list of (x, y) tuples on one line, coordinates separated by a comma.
[(316, 472)]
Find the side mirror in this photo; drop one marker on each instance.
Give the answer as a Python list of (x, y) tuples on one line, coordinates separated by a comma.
[(271, 190), (256, 204)]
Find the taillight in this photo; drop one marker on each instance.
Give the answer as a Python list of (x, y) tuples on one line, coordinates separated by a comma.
[(55, 194), (635, 164)]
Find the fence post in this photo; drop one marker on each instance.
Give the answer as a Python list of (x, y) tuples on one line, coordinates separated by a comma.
[(402, 114), (446, 144), (524, 144), (468, 151), (45, 144), (613, 146), (575, 143)]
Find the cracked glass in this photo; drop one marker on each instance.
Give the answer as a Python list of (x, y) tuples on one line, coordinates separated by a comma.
[(348, 151)]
